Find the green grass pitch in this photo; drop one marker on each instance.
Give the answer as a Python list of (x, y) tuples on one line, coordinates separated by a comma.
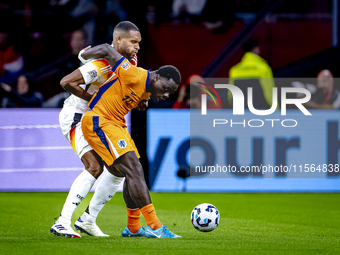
[(255, 223)]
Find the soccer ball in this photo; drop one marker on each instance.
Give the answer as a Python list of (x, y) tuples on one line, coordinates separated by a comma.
[(205, 217)]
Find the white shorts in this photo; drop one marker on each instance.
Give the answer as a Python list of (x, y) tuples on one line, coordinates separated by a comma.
[(70, 124)]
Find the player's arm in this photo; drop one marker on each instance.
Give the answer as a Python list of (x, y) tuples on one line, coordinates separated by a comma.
[(103, 51), (71, 84)]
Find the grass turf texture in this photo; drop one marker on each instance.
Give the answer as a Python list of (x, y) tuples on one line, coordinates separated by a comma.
[(250, 224)]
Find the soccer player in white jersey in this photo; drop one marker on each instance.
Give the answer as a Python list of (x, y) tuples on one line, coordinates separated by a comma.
[(82, 83)]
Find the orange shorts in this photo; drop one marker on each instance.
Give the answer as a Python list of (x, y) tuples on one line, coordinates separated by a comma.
[(106, 137)]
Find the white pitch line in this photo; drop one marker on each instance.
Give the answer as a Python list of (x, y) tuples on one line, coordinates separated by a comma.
[(41, 170), (36, 148), (29, 126)]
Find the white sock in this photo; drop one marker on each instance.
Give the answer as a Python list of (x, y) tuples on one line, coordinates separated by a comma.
[(106, 188), (79, 189)]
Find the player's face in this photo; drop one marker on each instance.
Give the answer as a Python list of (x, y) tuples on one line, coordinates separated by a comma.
[(130, 44), (162, 88)]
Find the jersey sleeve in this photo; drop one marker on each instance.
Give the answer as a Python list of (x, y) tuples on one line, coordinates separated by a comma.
[(130, 74), (95, 70)]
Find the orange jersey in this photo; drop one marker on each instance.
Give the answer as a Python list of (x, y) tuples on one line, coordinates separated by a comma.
[(121, 93)]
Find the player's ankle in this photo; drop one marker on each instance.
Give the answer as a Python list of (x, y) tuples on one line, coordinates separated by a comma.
[(64, 220), (134, 229), (155, 225), (88, 218)]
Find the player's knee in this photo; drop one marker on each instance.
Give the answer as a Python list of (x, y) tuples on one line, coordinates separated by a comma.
[(95, 169), (93, 164)]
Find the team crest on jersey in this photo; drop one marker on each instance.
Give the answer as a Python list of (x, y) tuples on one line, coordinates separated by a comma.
[(93, 73), (126, 65), (122, 144)]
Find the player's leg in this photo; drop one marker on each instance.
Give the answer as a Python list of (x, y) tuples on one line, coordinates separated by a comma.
[(82, 184), (105, 190), (133, 228), (129, 165), (99, 140), (79, 189), (70, 123), (112, 143)]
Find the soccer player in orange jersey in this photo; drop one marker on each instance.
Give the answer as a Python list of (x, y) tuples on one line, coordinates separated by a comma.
[(82, 83), (105, 130)]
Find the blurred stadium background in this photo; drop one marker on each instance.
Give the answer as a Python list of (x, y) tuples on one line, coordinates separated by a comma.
[(297, 39)]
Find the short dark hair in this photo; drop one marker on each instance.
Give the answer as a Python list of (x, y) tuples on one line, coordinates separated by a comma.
[(250, 44), (126, 26), (170, 72)]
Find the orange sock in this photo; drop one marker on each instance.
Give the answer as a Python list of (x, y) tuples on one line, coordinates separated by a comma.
[(150, 217), (133, 219)]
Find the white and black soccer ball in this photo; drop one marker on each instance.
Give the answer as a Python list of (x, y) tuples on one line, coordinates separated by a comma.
[(205, 217)]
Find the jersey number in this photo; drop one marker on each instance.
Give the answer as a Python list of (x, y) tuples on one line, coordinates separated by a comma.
[(127, 100)]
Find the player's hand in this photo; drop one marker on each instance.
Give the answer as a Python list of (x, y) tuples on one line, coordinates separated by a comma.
[(84, 61), (142, 105)]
